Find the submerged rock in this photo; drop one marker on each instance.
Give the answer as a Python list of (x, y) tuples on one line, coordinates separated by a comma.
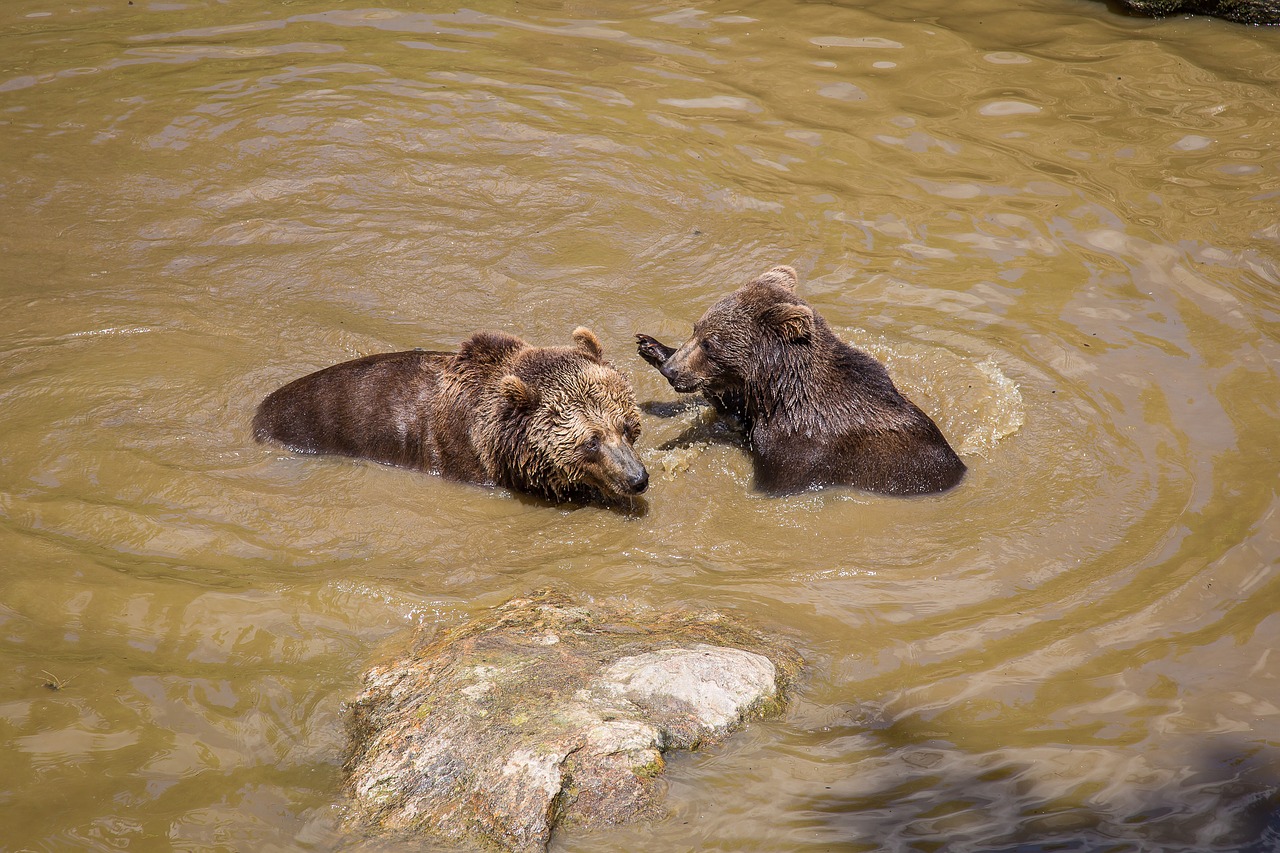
[(544, 711), (1240, 11)]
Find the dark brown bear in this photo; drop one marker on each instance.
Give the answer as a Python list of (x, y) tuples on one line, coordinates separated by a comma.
[(556, 422), (816, 411)]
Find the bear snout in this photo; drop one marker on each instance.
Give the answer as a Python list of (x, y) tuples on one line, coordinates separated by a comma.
[(679, 380), (684, 384), (683, 368), (634, 477), (669, 372), (623, 473), (640, 481)]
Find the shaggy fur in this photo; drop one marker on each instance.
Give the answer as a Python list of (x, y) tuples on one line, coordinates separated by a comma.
[(815, 410), (556, 422)]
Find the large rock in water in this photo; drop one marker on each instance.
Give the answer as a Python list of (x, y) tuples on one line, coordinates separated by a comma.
[(1241, 11), (544, 711)]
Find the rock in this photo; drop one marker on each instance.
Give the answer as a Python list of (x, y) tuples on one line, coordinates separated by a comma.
[(1240, 11), (545, 712)]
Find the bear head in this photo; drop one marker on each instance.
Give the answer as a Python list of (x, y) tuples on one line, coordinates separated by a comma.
[(572, 422), (742, 334)]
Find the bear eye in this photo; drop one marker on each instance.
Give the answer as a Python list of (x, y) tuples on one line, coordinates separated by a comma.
[(709, 344), (592, 444)]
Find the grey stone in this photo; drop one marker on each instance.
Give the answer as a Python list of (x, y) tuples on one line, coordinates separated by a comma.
[(543, 712)]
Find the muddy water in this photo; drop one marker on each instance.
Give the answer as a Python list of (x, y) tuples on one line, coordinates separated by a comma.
[(1055, 224)]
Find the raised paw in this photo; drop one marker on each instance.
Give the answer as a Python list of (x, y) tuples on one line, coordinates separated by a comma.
[(653, 351)]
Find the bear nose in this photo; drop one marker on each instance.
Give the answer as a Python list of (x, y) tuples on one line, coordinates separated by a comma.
[(640, 482)]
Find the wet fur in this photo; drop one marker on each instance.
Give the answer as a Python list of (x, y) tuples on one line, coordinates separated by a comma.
[(555, 422), (815, 411)]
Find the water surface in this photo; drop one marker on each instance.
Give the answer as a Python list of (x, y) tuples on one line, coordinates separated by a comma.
[(1055, 224)]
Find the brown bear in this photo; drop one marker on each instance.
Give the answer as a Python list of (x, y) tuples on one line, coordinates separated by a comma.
[(815, 410), (556, 422)]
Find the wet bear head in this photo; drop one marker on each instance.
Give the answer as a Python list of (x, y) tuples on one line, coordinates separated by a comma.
[(574, 422), (742, 334)]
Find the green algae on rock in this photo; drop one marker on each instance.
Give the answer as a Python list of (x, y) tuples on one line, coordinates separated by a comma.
[(544, 711)]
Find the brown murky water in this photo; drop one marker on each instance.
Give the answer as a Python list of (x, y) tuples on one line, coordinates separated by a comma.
[(1057, 225)]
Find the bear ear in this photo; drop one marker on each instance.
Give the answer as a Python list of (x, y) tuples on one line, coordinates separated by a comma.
[(795, 322), (489, 347), (588, 343), (517, 392), (782, 276)]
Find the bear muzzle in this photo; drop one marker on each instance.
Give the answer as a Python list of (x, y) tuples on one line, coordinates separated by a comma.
[(621, 472), (681, 382), (640, 481), (679, 369)]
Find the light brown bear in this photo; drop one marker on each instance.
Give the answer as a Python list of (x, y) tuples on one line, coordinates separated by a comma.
[(556, 422), (815, 410)]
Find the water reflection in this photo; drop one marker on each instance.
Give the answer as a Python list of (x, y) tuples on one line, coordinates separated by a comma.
[(914, 786)]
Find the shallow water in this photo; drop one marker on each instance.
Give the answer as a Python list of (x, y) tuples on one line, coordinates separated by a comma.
[(1056, 225)]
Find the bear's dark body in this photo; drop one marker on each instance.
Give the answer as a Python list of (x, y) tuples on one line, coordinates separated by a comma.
[(815, 410), (556, 422)]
